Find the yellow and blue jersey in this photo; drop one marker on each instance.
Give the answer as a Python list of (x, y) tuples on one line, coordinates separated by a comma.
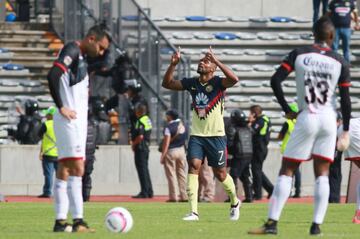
[(207, 106)]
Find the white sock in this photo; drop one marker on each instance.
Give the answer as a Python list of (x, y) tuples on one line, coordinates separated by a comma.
[(75, 196), (279, 197), (358, 196), (61, 199), (321, 194)]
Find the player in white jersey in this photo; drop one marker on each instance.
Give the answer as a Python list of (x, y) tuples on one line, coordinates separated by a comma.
[(318, 72), (353, 154), (68, 83)]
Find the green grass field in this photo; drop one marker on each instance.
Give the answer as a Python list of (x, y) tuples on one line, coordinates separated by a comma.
[(163, 220)]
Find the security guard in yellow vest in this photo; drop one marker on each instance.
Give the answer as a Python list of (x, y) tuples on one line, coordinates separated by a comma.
[(140, 145), (284, 135), (48, 152), (260, 125)]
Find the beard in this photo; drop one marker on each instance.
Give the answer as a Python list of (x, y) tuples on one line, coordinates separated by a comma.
[(200, 70)]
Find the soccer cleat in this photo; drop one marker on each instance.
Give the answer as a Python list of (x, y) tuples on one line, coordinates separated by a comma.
[(62, 226), (356, 218), (235, 211), (81, 226), (270, 227), (44, 196), (191, 217), (315, 229)]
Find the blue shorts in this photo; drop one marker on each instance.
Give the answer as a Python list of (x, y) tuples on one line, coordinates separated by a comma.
[(214, 148)]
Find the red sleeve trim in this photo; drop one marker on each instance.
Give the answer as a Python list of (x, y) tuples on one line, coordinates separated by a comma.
[(345, 84), (316, 156), (295, 160), (71, 159), (287, 66), (61, 66), (353, 159)]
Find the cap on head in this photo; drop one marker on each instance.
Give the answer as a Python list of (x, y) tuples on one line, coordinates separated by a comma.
[(51, 110), (294, 107)]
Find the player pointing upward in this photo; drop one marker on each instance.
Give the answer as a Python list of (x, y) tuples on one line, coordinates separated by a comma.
[(207, 131), (318, 71)]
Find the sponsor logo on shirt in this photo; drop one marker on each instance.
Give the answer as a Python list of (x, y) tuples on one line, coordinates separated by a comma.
[(310, 61)]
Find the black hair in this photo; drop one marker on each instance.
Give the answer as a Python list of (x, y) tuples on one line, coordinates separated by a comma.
[(173, 114), (256, 109), (323, 28), (99, 31)]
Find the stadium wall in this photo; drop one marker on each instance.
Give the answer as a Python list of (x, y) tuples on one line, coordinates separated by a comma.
[(115, 174), (246, 8)]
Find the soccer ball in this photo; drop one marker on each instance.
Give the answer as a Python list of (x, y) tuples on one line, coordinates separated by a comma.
[(118, 220)]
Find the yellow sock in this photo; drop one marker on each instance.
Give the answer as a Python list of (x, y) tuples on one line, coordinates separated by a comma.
[(229, 188), (192, 191)]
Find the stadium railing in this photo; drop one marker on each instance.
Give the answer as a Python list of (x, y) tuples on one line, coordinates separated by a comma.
[(137, 35)]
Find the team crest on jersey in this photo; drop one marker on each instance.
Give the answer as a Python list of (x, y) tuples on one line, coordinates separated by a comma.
[(204, 106), (209, 88)]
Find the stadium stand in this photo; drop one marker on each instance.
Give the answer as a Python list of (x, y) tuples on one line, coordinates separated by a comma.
[(253, 47), (25, 57)]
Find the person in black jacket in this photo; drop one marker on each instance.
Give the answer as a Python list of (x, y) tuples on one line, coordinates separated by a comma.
[(241, 148), (29, 126), (89, 156)]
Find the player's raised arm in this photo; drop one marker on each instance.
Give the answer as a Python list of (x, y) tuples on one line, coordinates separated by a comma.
[(168, 81), (230, 77)]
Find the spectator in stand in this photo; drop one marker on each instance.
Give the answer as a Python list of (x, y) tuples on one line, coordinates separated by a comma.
[(284, 135), (340, 13), (316, 8), (173, 155)]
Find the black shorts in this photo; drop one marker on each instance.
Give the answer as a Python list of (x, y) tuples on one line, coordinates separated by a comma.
[(214, 148)]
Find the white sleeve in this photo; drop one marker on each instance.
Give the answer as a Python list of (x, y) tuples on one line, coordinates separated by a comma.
[(167, 132)]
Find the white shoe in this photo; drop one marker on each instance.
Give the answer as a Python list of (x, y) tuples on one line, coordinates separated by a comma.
[(235, 212), (191, 217)]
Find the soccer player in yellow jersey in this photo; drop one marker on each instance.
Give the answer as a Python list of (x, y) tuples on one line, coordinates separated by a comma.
[(207, 137)]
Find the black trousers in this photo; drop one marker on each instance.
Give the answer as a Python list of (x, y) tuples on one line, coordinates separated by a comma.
[(297, 182), (335, 180), (142, 168), (240, 168), (86, 179), (259, 178)]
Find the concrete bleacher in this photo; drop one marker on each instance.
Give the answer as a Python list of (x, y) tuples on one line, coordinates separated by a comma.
[(25, 58), (253, 48)]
